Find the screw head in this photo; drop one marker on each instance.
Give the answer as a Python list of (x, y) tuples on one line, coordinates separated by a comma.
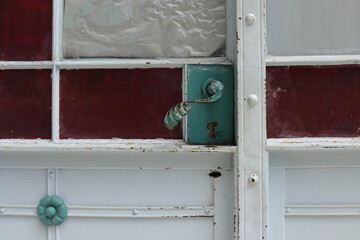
[(250, 19), (135, 212), (51, 175), (253, 179), (207, 211), (252, 99)]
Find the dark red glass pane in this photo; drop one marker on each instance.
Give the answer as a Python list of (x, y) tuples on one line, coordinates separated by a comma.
[(25, 30), (313, 101), (25, 104), (118, 103)]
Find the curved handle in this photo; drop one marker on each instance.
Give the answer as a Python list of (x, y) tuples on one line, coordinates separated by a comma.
[(52, 210), (212, 89)]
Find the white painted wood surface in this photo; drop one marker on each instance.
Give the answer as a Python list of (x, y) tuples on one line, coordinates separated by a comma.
[(312, 60), (312, 143), (314, 194), (233, 209), (251, 157), (158, 195)]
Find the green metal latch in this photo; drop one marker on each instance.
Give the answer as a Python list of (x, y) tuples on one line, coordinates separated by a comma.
[(211, 89), (213, 123)]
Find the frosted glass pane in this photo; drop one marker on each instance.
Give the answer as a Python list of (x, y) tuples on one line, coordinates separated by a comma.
[(144, 28), (313, 27)]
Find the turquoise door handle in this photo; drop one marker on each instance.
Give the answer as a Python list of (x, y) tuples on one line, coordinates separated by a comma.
[(52, 210), (212, 90)]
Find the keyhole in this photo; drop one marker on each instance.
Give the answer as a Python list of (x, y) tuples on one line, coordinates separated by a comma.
[(211, 127)]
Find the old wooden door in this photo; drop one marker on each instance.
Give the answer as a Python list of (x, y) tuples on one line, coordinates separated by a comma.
[(313, 94), (85, 86)]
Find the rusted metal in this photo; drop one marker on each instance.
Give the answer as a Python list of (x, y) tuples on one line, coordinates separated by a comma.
[(212, 90), (211, 126)]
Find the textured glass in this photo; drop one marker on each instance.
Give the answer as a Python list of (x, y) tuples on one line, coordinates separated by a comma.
[(313, 101), (313, 27), (25, 104), (25, 30), (144, 28), (118, 103)]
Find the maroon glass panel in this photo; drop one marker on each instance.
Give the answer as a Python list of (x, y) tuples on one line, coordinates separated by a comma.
[(313, 101), (25, 33), (119, 103), (25, 104)]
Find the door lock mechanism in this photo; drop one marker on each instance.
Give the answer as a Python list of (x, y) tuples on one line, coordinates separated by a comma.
[(212, 90)]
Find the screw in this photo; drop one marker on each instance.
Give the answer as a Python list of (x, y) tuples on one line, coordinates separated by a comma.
[(252, 99), (253, 179), (51, 175), (207, 211), (135, 212), (250, 19)]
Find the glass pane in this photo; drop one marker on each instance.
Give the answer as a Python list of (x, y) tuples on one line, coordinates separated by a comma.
[(118, 103), (25, 33), (313, 27), (25, 104), (144, 28), (313, 101)]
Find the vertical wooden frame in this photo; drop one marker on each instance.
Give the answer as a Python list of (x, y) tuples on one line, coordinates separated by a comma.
[(251, 158)]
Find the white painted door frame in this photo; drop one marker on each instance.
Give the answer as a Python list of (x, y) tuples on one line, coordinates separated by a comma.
[(251, 155), (246, 50)]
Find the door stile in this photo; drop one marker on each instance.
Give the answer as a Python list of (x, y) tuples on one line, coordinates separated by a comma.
[(251, 158)]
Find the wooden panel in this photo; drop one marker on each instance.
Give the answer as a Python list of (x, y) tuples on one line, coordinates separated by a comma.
[(329, 228), (15, 228), (129, 229), (314, 194), (338, 185), (313, 101), (124, 187), (25, 104), (22, 186), (25, 30), (118, 103)]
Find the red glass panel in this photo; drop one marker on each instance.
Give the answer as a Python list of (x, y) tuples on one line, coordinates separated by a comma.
[(313, 101), (118, 103), (25, 33), (25, 104)]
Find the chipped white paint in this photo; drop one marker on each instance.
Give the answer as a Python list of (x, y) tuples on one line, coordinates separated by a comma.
[(274, 144), (136, 63), (131, 145)]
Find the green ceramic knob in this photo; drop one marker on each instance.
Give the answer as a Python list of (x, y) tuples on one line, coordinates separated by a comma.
[(52, 210)]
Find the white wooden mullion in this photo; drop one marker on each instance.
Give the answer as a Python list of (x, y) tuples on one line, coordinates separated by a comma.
[(312, 60), (251, 155), (276, 144), (123, 63), (58, 6), (26, 65), (51, 190), (125, 145)]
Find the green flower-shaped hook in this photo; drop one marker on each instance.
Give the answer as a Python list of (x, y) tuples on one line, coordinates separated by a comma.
[(52, 210)]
